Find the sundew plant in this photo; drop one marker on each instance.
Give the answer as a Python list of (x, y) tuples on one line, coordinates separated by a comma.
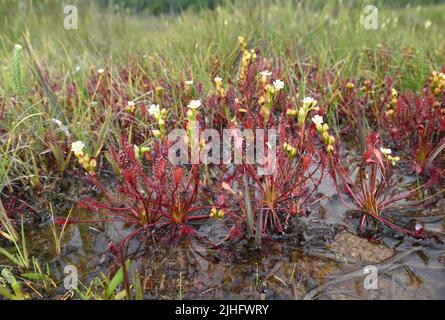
[(221, 149)]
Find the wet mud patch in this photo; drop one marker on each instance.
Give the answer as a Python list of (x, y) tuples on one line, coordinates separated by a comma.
[(314, 253)]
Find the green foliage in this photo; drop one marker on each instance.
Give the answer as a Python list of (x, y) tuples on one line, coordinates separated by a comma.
[(159, 6), (103, 288), (21, 258), (16, 68), (8, 279)]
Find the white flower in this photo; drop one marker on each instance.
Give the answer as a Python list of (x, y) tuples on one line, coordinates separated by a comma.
[(18, 47), (309, 101), (317, 119), (266, 73), (217, 79), (278, 84), (131, 103), (101, 70), (385, 151), (77, 147), (154, 109), (418, 227), (189, 82), (194, 104), (136, 151), (428, 24)]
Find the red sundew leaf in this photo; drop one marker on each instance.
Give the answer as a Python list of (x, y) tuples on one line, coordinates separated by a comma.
[(221, 200), (435, 176), (306, 162), (367, 154), (60, 221), (143, 109), (113, 249), (372, 140), (416, 167), (379, 157), (388, 82), (185, 231), (237, 140), (89, 204), (161, 169), (227, 187), (394, 133), (236, 232), (178, 175), (417, 102), (442, 123)]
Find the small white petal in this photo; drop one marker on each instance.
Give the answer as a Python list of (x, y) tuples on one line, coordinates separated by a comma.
[(266, 73), (154, 109), (278, 84), (385, 151), (317, 119), (309, 101), (194, 104), (77, 147)]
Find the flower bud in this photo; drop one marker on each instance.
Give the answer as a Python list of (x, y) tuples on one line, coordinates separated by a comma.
[(93, 164), (330, 148), (156, 133)]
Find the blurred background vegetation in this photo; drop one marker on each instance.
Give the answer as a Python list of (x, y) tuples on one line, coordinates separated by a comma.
[(159, 6), (326, 34), (175, 6)]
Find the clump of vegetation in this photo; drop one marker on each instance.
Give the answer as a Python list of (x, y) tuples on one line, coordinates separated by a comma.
[(371, 193), (153, 197)]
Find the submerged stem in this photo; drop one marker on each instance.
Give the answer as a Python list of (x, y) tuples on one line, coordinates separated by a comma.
[(248, 204)]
